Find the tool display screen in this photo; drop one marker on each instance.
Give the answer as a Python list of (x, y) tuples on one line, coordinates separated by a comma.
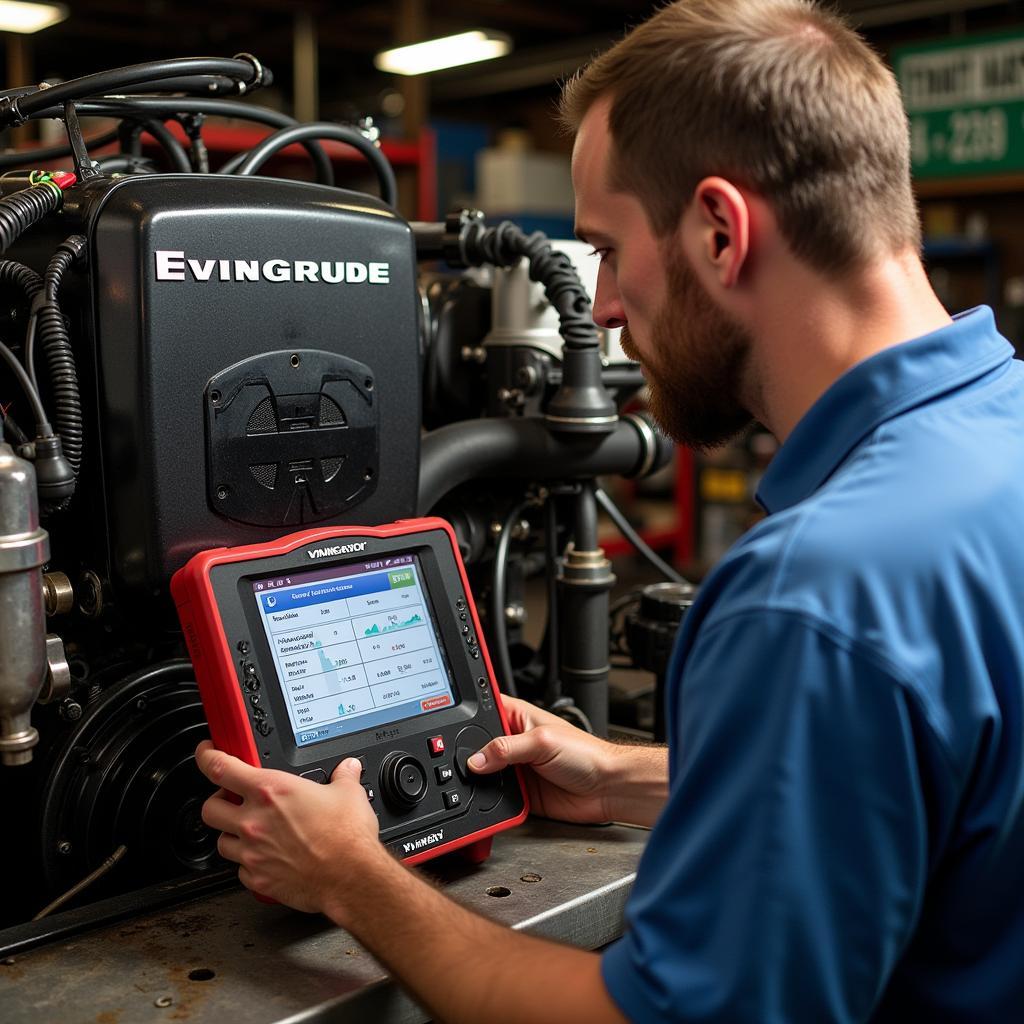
[(354, 646)]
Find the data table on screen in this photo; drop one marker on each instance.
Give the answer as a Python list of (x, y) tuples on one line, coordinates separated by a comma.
[(351, 646)]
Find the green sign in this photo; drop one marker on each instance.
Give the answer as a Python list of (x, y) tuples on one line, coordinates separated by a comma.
[(402, 578), (966, 105)]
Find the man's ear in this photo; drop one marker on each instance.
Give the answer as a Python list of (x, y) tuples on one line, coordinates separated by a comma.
[(719, 222)]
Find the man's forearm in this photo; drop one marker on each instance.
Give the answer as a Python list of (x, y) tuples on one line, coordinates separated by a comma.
[(462, 967), (638, 787)]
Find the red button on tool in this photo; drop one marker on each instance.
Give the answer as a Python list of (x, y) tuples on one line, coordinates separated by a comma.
[(436, 744)]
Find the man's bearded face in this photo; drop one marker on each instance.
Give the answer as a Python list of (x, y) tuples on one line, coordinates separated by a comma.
[(694, 362)]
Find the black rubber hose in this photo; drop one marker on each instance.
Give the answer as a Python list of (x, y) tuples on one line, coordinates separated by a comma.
[(125, 164), (42, 425), (60, 360), (232, 165), (499, 585), (169, 144), (196, 85), (261, 153), (626, 529), (582, 403), (15, 110), (506, 244), (526, 449), (126, 109), (19, 211), (34, 157), (9, 427), (168, 106), (25, 278)]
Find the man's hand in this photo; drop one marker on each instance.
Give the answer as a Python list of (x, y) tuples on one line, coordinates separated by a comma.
[(295, 840), (573, 776), (303, 844)]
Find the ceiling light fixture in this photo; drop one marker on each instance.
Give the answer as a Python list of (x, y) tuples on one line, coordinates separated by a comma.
[(447, 52), (18, 16)]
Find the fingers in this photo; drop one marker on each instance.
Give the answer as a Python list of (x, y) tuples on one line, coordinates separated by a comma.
[(350, 768), (532, 747), (519, 713), (222, 813), (227, 771), (522, 715), (230, 847)]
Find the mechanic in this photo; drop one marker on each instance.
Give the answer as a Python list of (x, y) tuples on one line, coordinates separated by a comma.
[(838, 821)]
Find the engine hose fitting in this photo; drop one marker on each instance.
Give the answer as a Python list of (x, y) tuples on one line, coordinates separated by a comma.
[(582, 404), (261, 75), (18, 212), (10, 113)]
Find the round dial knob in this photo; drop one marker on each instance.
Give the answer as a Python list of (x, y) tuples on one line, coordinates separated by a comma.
[(403, 779)]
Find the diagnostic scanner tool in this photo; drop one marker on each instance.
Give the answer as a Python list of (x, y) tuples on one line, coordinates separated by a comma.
[(356, 642)]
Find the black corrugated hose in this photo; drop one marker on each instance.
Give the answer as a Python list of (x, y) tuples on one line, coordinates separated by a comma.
[(52, 333), (506, 243), (25, 278), (19, 211)]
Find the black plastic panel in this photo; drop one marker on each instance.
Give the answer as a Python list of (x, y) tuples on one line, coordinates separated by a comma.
[(291, 438), (160, 343)]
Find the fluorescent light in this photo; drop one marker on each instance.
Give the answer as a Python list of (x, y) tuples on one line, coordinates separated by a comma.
[(447, 52), (16, 16)]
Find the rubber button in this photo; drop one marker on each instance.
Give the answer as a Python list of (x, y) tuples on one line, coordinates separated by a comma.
[(403, 780), (411, 782), (315, 775), (451, 799)]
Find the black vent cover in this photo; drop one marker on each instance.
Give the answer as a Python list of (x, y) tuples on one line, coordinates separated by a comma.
[(291, 437)]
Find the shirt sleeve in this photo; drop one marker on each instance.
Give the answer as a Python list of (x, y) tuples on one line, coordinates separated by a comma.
[(784, 877)]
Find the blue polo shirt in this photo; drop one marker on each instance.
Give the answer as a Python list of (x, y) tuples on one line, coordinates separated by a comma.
[(844, 835)]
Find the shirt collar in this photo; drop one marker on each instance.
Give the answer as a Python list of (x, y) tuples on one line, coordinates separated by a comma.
[(875, 390)]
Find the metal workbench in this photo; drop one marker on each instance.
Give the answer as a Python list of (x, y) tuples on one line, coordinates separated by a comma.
[(228, 957)]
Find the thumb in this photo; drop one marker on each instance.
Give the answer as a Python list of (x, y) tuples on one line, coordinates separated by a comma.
[(524, 748), (349, 769)]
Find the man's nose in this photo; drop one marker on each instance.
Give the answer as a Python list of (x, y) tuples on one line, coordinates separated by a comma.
[(608, 311)]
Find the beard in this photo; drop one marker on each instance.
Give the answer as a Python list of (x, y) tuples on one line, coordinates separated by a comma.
[(695, 365)]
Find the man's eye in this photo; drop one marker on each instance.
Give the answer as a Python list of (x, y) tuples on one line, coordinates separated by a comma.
[(602, 254)]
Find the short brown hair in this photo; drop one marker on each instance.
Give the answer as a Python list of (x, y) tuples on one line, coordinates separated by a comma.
[(779, 96)]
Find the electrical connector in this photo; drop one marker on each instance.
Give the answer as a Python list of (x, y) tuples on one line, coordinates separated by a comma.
[(55, 479)]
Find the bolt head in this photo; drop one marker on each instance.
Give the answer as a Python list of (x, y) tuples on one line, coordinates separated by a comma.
[(71, 711)]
